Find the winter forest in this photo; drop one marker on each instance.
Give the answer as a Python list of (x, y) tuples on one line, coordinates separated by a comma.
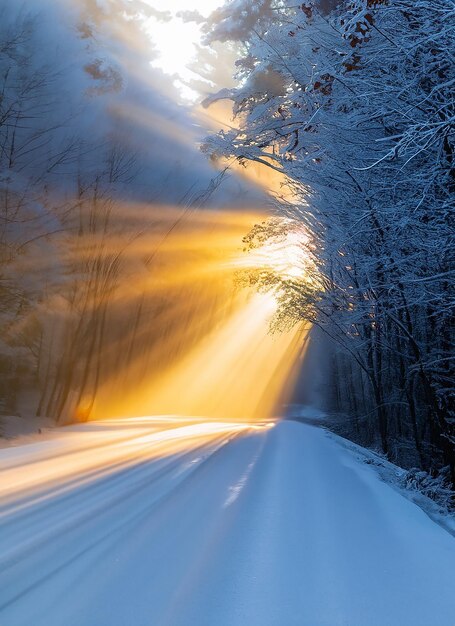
[(295, 178), (353, 105)]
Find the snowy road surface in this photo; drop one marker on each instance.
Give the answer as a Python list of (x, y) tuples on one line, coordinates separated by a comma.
[(161, 522)]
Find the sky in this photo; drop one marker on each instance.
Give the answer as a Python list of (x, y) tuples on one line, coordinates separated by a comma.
[(195, 71), (154, 106), (176, 39)]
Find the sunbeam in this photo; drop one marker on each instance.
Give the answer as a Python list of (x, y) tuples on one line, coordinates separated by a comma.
[(206, 349)]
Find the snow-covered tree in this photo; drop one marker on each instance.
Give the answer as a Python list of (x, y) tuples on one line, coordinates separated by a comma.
[(355, 106)]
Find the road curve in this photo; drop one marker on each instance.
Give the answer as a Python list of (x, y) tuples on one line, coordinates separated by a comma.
[(172, 522)]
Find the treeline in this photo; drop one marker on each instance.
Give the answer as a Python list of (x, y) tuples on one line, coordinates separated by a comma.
[(62, 164), (81, 184), (355, 106)]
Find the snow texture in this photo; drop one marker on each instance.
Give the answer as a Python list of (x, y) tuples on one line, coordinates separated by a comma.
[(171, 522)]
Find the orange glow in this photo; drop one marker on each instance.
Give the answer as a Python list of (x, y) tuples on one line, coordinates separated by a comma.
[(237, 371), (203, 345), (155, 318), (219, 115), (285, 257), (97, 450)]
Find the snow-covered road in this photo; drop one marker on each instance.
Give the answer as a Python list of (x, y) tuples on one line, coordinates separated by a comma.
[(162, 522)]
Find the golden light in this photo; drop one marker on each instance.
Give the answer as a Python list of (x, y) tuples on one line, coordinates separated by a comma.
[(200, 345), (103, 449), (238, 371), (286, 258)]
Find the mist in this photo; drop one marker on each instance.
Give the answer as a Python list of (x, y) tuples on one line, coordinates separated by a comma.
[(121, 241)]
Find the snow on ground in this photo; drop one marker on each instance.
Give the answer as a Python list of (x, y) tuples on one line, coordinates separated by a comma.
[(25, 426), (17, 430), (427, 493), (171, 522), (399, 479)]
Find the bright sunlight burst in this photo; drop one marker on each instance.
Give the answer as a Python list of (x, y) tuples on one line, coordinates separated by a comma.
[(176, 38), (225, 329)]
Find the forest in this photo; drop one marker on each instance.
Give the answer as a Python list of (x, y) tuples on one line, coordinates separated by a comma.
[(97, 166), (227, 312), (352, 104)]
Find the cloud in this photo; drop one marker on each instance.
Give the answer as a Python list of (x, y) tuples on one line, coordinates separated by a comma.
[(191, 16)]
